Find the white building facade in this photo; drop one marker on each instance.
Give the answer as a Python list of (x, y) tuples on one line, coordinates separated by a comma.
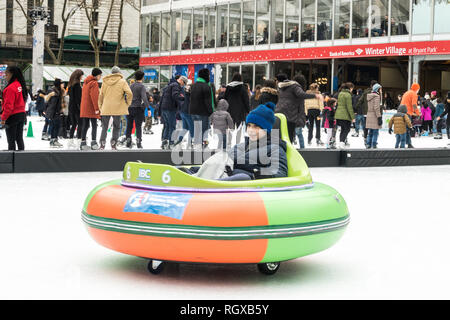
[(13, 21), (329, 41)]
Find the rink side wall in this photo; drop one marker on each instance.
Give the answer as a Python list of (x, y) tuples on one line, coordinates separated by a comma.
[(90, 161)]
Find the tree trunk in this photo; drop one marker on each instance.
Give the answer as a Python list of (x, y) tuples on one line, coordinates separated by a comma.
[(119, 34)]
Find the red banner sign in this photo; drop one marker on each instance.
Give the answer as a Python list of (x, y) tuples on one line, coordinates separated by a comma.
[(335, 52)]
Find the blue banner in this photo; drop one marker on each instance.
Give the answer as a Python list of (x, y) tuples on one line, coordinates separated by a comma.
[(166, 204)]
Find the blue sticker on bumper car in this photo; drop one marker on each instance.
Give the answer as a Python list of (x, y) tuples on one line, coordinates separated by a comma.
[(170, 205)]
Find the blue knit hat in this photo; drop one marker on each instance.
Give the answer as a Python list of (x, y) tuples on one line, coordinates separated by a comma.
[(263, 116), (376, 87)]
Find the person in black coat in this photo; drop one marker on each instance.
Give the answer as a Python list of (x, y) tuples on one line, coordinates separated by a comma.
[(74, 103), (171, 101), (269, 92), (237, 97), (40, 102), (202, 105), (54, 110)]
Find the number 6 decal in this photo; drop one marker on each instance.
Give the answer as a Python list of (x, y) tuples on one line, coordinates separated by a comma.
[(166, 176)]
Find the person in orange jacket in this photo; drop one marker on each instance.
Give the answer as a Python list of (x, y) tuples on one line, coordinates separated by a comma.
[(410, 100)]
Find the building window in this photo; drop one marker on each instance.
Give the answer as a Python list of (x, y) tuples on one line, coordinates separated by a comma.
[(292, 17), (260, 73), (145, 33), (95, 19), (277, 21), (210, 27), (165, 72), (360, 18), (308, 19), (186, 30), (155, 34), (324, 20), (232, 69), (247, 75), (262, 21), (198, 29), (441, 16), (9, 16), (380, 18), (222, 25), (248, 28), (235, 25), (400, 17), (422, 16), (342, 19), (165, 32), (176, 30)]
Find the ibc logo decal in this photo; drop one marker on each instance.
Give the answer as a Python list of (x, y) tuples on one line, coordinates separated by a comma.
[(144, 174)]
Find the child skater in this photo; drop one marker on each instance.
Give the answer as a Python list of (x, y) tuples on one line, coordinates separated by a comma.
[(329, 123)]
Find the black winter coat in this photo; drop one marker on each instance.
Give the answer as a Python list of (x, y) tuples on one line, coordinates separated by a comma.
[(172, 97), (237, 96), (291, 102), (75, 99), (268, 95), (201, 100), (54, 105)]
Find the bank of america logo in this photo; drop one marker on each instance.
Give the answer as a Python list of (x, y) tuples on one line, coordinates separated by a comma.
[(359, 51)]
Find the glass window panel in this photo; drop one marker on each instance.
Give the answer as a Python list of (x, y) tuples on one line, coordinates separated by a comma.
[(210, 27), (145, 29), (223, 74), (156, 19), (176, 31), (222, 25), (198, 29), (262, 21), (186, 30), (308, 19), (380, 18), (231, 71), (248, 37), (165, 76), (324, 19), (400, 17), (342, 19), (247, 74), (260, 73), (441, 16), (277, 23), (235, 25), (292, 16), (165, 32), (360, 18), (421, 17)]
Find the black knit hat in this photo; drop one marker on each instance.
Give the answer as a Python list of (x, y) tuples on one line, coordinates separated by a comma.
[(204, 74)]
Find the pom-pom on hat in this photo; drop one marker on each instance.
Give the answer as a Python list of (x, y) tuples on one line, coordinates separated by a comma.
[(263, 116)]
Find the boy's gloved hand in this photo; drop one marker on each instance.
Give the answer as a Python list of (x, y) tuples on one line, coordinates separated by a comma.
[(390, 130)]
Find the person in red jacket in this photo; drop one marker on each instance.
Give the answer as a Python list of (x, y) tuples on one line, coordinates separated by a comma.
[(13, 107), (89, 110)]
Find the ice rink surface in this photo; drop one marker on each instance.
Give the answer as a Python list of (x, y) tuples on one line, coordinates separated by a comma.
[(395, 247)]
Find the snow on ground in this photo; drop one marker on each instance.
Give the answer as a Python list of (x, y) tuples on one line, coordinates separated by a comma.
[(154, 141), (395, 247)]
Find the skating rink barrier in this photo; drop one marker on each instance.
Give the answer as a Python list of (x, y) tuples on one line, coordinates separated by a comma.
[(84, 161)]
